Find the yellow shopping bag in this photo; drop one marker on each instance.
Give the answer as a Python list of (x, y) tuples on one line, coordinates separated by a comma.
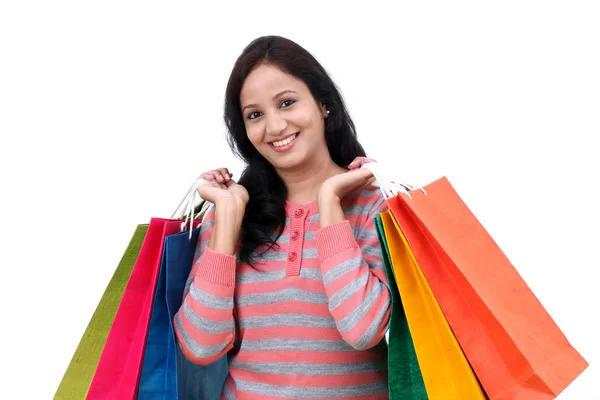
[(446, 372)]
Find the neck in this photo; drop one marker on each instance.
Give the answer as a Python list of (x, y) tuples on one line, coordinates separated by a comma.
[(303, 184)]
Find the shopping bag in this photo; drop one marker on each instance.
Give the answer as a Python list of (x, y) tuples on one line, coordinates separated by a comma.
[(446, 372), (166, 373), (78, 376), (405, 381), (194, 381), (119, 368), (514, 346)]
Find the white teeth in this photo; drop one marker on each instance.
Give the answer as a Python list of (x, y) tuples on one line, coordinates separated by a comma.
[(284, 142)]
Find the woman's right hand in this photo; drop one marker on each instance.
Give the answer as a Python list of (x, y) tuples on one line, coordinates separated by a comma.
[(223, 188)]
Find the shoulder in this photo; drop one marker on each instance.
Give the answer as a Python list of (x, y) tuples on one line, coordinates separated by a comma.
[(366, 203)]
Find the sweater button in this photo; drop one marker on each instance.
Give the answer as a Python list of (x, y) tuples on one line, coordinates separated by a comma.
[(295, 235), (292, 256), (299, 212)]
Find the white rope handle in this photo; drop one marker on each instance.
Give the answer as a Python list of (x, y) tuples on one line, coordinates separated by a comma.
[(204, 210), (388, 187), (189, 203)]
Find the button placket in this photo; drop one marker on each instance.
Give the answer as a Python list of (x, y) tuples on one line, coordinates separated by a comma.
[(296, 241)]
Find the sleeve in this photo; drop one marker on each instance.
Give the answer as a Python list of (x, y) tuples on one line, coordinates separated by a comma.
[(354, 275), (205, 323)]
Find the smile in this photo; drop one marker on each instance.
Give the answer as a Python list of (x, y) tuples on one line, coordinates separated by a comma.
[(285, 144)]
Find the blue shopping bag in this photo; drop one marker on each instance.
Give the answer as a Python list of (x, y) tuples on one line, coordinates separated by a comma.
[(166, 373)]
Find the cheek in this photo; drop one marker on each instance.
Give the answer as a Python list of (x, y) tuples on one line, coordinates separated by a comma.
[(305, 118), (254, 135)]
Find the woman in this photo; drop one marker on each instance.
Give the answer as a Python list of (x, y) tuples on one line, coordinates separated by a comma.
[(288, 279)]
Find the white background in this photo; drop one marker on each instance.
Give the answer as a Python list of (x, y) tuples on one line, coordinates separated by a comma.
[(109, 110)]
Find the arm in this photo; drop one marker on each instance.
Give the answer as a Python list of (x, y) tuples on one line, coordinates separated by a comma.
[(352, 268), (205, 324)]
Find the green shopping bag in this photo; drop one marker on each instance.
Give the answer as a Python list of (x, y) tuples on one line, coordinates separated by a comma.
[(78, 377), (405, 380)]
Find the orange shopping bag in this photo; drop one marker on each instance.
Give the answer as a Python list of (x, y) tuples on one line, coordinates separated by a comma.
[(515, 348), (446, 372)]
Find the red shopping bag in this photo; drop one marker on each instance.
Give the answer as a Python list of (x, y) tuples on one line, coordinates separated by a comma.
[(118, 372), (515, 348)]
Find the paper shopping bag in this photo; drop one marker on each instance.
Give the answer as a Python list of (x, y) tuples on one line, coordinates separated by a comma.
[(119, 368), (515, 348), (405, 381), (166, 373), (446, 372), (78, 376)]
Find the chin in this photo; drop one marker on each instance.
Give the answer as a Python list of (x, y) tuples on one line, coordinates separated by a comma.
[(288, 163)]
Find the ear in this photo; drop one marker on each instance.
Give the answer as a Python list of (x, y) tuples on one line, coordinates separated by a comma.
[(324, 111)]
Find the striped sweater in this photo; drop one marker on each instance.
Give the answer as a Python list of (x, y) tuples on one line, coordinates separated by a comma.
[(307, 321)]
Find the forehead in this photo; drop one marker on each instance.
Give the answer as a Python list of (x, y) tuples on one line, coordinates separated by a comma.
[(266, 81)]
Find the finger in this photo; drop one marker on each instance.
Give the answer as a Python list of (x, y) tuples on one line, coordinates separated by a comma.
[(364, 160), (359, 161), (367, 173), (363, 175), (220, 177), (224, 172), (368, 160), (209, 176), (353, 163)]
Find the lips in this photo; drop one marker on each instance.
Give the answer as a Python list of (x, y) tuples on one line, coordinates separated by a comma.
[(286, 140), (285, 144)]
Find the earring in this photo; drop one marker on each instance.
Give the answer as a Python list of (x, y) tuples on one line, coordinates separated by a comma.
[(328, 112)]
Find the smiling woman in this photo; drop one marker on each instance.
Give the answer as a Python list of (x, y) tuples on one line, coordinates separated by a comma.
[(291, 119), (288, 281)]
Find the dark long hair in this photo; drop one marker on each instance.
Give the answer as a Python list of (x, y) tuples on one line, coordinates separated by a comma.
[(264, 220)]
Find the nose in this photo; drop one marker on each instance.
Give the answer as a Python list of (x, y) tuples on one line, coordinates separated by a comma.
[(275, 124)]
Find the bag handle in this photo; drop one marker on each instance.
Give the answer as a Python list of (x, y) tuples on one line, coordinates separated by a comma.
[(388, 187), (190, 207)]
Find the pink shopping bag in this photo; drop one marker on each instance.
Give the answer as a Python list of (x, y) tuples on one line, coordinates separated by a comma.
[(118, 372)]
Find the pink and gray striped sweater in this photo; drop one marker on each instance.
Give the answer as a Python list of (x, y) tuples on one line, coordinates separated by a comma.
[(308, 322)]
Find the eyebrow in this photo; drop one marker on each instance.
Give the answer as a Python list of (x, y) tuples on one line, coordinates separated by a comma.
[(274, 97)]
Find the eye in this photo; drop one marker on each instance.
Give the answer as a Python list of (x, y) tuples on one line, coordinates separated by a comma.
[(285, 101), (250, 116), (289, 102)]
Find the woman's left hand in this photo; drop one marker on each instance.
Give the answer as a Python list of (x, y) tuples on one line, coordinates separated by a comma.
[(356, 178)]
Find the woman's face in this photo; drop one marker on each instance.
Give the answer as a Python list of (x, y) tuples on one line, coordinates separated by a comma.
[(282, 119)]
